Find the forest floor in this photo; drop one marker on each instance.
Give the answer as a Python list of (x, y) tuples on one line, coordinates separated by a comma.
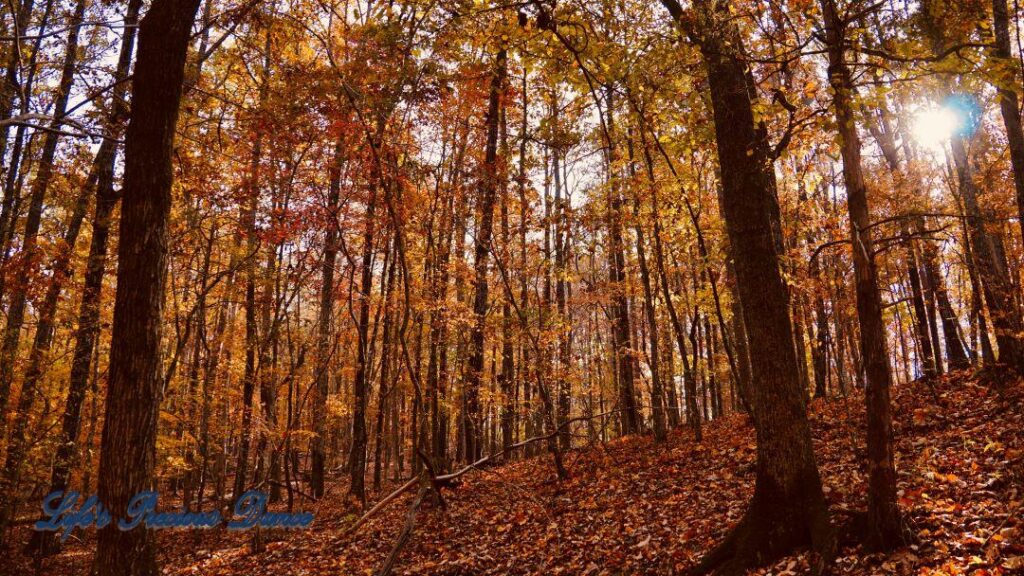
[(633, 507)]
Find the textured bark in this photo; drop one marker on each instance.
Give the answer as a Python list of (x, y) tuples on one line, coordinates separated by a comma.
[(128, 446), (885, 530), (788, 508)]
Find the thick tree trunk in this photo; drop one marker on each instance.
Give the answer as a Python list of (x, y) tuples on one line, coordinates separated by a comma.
[(788, 508), (128, 446)]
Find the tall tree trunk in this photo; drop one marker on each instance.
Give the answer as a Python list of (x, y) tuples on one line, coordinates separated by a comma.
[(991, 270), (323, 343), (9, 88), (472, 422), (622, 338), (360, 383), (1009, 82), (128, 447), (956, 356), (885, 530), (18, 444), (508, 367), (252, 191), (788, 508), (689, 383), (657, 392), (37, 196)]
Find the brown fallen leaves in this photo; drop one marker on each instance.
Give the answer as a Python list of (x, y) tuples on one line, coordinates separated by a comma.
[(631, 507)]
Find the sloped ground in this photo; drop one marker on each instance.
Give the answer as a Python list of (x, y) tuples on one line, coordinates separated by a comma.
[(631, 507)]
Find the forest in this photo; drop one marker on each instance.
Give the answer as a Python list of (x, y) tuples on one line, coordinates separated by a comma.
[(511, 287)]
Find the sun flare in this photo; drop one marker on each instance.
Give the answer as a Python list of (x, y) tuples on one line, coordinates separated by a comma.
[(934, 126)]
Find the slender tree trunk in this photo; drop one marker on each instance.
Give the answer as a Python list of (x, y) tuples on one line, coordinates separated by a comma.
[(252, 190), (885, 530), (657, 389), (1009, 83), (323, 343), (472, 419), (17, 446), (40, 187), (991, 269)]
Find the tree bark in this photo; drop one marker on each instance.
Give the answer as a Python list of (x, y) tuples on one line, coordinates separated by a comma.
[(885, 529), (323, 343), (1008, 84), (472, 426), (128, 446), (788, 508)]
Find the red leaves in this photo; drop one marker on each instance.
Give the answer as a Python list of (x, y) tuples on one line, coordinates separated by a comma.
[(632, 507)]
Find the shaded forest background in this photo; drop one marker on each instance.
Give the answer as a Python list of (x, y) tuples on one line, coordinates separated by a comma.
[(307, 246)]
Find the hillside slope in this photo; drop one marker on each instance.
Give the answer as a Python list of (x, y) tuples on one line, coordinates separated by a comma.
[(631, 507)]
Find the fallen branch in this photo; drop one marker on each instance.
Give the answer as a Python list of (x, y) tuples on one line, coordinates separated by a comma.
[(380, 505), (445, 479), (403, 537)]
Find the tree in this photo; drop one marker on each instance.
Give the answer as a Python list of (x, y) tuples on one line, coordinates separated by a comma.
[(884, 526), (134, 385), (788, 508)]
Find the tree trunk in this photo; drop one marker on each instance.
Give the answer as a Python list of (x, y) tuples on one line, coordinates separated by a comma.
[(788, 508), (885, 530), (128, 447), (40, 188), (323, 343), (472, 423), (1009, 82)]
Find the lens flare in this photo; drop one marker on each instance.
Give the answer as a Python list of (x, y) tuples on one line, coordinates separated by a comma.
[(933, 127)]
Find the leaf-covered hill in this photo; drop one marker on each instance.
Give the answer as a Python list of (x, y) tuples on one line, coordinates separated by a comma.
[(632, 507)]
